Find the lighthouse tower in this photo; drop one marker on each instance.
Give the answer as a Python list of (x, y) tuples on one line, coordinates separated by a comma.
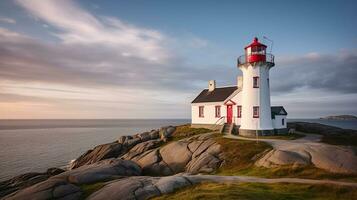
[(256, 115)]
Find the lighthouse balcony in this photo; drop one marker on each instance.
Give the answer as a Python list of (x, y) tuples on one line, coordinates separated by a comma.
[(254, 58)]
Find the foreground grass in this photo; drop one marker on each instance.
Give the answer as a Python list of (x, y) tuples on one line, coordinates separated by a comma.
[(88, 189), (258, 191)]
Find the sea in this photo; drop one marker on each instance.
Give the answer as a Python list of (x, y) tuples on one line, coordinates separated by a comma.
[(36, 145)]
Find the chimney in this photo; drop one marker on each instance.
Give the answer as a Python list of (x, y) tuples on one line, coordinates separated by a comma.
[(211, 85), (240, 82)]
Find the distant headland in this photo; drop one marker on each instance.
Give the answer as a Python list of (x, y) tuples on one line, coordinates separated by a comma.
[(340, 117)]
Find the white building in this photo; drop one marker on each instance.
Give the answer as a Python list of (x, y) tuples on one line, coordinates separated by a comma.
[(244, 108)]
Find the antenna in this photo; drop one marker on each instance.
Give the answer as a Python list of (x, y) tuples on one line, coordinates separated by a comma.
[(272, 43)]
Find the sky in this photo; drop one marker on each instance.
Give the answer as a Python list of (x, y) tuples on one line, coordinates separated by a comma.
[(149, 59)]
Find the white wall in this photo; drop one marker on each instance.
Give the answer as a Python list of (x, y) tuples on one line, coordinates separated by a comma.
[(209, 111), (277, 122), (256, 97)]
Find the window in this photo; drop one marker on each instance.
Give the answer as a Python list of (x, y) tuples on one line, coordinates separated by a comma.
[(256, 82), (201, 111), (282, 121), (268, 83), (255, 111), (239, 111), (218, 111)]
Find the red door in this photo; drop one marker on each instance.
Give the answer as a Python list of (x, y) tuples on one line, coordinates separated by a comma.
[(229, 114)]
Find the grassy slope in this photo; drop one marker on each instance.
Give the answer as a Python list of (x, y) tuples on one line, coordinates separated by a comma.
[(240, 156), (258, 191), (330, 134), (185, 131)]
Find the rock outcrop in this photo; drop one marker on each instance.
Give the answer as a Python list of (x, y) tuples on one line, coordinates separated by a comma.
[(25, 180), (120, 147), (308, 151), (196, 154), (140, 187), (65, 185)]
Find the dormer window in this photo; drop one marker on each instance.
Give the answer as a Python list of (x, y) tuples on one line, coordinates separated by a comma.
[(256, 82)]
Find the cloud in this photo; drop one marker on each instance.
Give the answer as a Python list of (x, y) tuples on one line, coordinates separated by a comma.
[(100, 66), (7, 20), (77, 26), (327, 72)]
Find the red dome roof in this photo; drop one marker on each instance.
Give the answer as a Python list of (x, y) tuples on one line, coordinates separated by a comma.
[(255, 43)]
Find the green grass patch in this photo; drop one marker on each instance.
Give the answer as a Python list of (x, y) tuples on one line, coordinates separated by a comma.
[(239, 154), (258, 191), (340, 139), (88, 189), (184, 131)]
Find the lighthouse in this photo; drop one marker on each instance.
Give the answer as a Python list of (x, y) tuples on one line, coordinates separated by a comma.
[(243, 108), (256, 109)]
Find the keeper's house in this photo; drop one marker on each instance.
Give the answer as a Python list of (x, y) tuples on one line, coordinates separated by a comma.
[(243, 109)]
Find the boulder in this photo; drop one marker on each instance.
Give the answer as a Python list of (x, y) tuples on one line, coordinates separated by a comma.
[(140, 188), (166, 132), (26, 180), (101, 171), (50, 189), (154, 134), (176, 155), (141, 148), (101, 152), (276, 158), (144, 136)]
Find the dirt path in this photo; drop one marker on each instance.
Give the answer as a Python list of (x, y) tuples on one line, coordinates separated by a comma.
[(250, 179)]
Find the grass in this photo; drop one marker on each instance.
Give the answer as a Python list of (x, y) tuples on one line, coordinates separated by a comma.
[(330, 134), (340, 139), (239, 154), (184, 131), (88, 189), (258, 191)]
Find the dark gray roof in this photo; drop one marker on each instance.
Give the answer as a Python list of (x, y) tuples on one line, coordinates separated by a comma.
[(277, 110), (217, 95)]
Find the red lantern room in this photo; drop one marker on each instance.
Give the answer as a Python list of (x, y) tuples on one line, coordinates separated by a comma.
[(256, 52)]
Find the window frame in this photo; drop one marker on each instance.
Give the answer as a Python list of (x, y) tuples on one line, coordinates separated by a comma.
[(256, 112), (283, 121), (217, 114), (201, 111), (239, 111), (256, 80)]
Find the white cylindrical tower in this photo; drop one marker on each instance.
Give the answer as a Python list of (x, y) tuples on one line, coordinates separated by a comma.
[(256, 110)]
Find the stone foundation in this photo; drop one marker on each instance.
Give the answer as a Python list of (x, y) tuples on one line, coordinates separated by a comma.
[(281, 131)]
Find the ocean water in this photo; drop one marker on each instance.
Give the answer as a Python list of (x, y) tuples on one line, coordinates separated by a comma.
[(36, 145)]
